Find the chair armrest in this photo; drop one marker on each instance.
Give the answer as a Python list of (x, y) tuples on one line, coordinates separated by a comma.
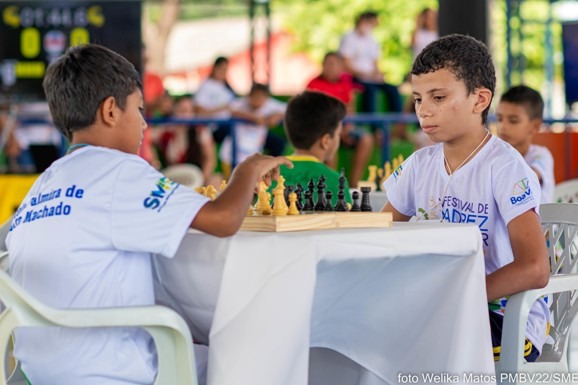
[(516, 318)]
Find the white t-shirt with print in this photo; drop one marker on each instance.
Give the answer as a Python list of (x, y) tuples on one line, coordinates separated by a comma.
[(361, 50), (83, 238), (493, 188), (213, 94), (250, 137), (540, 159)]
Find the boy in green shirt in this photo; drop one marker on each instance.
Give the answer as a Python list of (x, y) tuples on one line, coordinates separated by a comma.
[(313, 126)]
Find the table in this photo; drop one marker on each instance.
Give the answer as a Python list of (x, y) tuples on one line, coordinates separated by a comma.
[(409, 299)]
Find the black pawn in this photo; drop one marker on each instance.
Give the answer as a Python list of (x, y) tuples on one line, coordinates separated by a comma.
[(308, 206), (355, 206), (365, 203), (328, 198), (341, 204)]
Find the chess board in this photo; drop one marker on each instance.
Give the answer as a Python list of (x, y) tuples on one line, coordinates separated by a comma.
[(304, 222)]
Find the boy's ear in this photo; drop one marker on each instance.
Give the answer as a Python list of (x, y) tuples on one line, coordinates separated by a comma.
[(484, 98), (325, 141), (536, 124), (108, 111)]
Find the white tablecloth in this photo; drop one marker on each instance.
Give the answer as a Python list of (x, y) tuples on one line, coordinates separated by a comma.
[(405, 300)]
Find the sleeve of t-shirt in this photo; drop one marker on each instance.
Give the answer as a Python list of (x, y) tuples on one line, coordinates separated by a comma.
[(239, 104), (149, 212), (202, 96), (516, 189), (275, 106), (544, 164), (346, 47), (399, 187)]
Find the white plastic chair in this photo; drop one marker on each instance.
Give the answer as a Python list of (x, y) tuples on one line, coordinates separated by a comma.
[(176, 361), (186, 174), (566, 192), (560, 225)]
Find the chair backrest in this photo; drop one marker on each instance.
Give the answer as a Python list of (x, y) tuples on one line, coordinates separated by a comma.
[(176, 361), (566, 192), (560, 225), (186, 174)]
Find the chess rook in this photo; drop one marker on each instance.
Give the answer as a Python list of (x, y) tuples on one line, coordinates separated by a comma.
[(365, 203)]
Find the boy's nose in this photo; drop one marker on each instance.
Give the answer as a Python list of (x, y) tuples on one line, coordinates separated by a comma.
[(423, 110)]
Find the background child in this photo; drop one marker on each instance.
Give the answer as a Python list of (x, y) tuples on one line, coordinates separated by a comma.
[(84, 234), (313, 126), (519, 119), (261, 112), (334, 81), (469, 176)]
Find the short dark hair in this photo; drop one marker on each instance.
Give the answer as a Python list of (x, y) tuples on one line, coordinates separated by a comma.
[(310, 115), (527, 97), (78, 82), (467, 58), (367, 15), (332, 54), (259, 87)]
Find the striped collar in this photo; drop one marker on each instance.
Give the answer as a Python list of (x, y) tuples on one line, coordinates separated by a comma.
[(307, 158)]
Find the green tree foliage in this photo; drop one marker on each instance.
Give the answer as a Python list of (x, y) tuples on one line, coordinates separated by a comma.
[(319, 24)]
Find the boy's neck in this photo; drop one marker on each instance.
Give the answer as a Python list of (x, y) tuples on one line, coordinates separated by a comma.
[(465, 148), (92, 136), (311, 152)]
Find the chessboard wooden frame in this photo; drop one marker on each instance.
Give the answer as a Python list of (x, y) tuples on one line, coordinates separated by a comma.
[(316, 221)]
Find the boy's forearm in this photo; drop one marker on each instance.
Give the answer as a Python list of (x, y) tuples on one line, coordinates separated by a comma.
[(223, 216), (511, 279)]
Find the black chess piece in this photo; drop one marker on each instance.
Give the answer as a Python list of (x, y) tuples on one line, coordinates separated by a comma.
[(355, 206), (309, 205), (342, 179), (377, 180), (288, 190), (328, 198), (341, 204), (311, 186), (299, 193), (321, 202), (365, 203)]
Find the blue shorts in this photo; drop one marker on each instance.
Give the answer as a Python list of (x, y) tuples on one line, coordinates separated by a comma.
[(496, 326)]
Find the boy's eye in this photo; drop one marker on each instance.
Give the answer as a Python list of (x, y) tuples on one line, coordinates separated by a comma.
[(417, 100), (438, 98)]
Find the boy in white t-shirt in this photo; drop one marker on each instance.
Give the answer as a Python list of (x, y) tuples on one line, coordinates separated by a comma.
[(260, 112), (519, 119), (84, 234), (469, 176)]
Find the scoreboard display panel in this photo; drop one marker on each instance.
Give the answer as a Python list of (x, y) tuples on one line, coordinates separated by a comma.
[(35, 33)]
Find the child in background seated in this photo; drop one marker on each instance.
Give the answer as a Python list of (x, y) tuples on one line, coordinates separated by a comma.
[(261, 112), (313, 126), (519, 119)]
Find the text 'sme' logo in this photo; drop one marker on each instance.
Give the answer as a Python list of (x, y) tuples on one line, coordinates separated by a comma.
[(158, 197), (521, 191)]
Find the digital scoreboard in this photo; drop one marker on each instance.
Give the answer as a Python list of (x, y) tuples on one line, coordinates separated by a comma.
[(35, 33)]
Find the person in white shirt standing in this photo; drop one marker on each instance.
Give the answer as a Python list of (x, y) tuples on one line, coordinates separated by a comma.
[(519, 119), (84, 235), (361, 54)]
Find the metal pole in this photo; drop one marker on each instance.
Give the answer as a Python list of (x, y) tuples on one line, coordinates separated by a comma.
[(510, 66)]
